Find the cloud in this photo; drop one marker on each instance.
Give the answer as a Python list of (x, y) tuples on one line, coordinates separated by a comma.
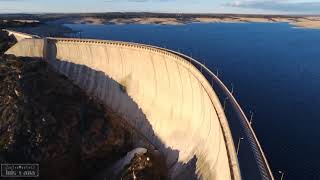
[(278, 5)]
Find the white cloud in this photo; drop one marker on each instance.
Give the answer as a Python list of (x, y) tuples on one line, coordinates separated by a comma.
[(278, 5)]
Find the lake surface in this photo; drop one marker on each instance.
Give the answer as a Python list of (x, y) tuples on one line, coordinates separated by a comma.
[(275, 72)]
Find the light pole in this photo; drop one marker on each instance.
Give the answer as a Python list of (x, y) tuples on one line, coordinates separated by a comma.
[(251, 117), (217, 72), (231, 88), (80, 36), (239, 141), (282, 175), (224, 102)]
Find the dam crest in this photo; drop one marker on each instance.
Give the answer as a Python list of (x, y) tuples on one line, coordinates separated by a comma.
[(160, 93)]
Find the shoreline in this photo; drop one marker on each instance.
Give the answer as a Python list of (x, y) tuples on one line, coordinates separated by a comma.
[(55, 25), (310, 22)]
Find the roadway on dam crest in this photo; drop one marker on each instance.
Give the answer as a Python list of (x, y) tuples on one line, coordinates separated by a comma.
[(172, 105), (20, 36), (160, 93)]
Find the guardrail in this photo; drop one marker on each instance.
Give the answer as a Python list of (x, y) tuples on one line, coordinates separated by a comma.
[(258, 153), (262, 162), (233, 161), (23, 35)]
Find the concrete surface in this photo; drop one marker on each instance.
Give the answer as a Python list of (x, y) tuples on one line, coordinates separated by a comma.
[(250, 136), (161, 95), (19, 35)]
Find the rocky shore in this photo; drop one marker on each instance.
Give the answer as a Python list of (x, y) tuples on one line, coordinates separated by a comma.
[(53, 25), (312, 22)]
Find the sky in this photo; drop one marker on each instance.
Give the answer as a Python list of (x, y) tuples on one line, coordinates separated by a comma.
[(169, 6)]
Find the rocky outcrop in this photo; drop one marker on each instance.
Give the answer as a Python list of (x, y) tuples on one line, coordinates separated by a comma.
[(6, 41), (46, 119)]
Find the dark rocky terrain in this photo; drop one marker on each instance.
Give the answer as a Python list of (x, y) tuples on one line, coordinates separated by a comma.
[(7, 23), (6, 42), (46, 119), (146, 166)]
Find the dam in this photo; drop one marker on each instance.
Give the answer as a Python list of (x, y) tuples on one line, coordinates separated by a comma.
[(164, 95)]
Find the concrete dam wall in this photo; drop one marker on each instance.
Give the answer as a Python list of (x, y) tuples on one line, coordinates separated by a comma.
[(160, 94), (19, 35)]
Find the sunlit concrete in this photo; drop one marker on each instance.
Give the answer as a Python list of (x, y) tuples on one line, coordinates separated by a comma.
[(19, 35), (161, 95)]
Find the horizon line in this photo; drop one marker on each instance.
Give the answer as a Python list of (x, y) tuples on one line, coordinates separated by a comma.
[(173, 13)]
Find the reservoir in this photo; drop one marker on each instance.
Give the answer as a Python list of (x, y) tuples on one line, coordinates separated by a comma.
[(273, 69)]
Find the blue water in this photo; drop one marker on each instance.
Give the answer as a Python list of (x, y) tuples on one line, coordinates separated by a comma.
[(275, 72)]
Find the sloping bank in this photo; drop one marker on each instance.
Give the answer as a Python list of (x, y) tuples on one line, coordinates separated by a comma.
[(160, 95)]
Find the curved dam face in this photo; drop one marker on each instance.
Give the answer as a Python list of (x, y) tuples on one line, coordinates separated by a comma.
[(19, 35), (161, 95)]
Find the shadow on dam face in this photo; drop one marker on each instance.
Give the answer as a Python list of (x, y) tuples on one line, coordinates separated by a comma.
[(100, 86), (163, 98)]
